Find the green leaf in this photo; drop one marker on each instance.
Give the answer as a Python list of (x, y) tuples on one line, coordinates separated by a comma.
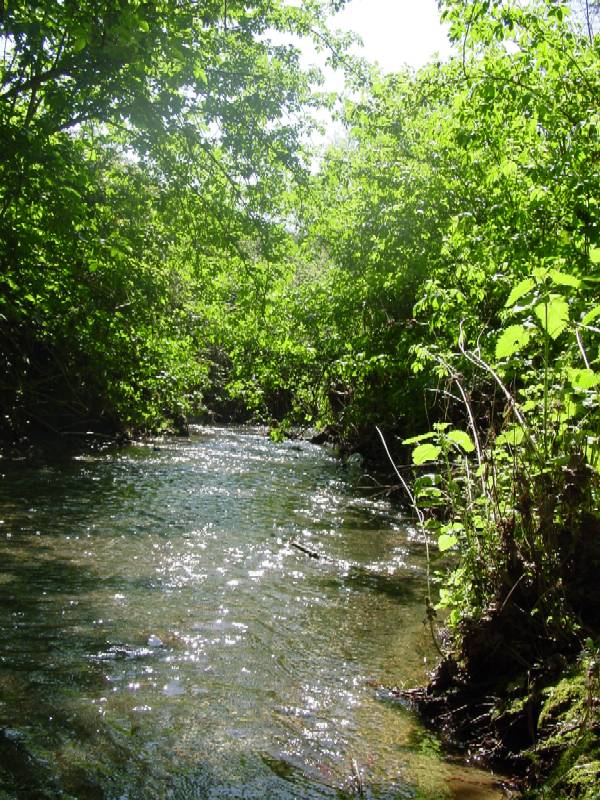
[(563, 279), (427, 481), (422, 438), (568, 409), (583, 378), (200, 74), (511, 340), (462, 439), (592, 455), (513, 436), (80, 43), (143, 26), (518, 291), (446, 541), (553, 315), (430, 497), (595, 255), (441, 426), (591, 315), (425, 452)]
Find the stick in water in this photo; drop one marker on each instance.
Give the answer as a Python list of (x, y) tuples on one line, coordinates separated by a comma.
[(311, 553)]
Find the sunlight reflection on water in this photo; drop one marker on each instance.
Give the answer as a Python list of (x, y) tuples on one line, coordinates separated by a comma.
[(161, 636)]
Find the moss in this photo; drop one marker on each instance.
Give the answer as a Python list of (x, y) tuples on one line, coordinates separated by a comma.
[(564, 709), (568, 747)]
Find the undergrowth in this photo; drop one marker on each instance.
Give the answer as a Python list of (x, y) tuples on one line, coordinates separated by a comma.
[(513, 502)]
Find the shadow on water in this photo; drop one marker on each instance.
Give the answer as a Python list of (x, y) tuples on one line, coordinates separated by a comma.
[(403, 588)]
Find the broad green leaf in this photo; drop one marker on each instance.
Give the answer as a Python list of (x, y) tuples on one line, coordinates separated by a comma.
[(564, 279), (595, 255), (553, 315), (529, 405), (511, 340), (518, 291), (425, 452), (446, 541), (583, 378), (143, 26), (462, 439), (568, 409), (422, 438), (591, 315), (429, 491), (513, 437), (441, 426)]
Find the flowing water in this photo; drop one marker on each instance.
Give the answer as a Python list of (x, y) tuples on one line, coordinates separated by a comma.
[(162, 637)]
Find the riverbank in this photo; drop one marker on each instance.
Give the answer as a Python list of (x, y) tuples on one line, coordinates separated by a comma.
[(519, 689), (518, 700)]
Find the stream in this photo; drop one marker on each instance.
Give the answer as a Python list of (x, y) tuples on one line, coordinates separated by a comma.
[(162, 637)]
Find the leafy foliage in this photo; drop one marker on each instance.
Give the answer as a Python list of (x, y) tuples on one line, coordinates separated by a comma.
[(146, 153)]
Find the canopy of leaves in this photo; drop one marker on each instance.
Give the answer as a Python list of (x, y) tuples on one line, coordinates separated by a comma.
[(147, 150)]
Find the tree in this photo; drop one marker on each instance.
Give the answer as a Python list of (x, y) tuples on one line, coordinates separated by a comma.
[(142, 144)]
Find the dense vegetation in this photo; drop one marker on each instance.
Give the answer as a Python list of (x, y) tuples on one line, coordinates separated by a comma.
[(147, 150), (165, 249)]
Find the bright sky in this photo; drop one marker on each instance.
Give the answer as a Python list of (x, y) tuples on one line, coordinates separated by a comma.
[(395, 32)]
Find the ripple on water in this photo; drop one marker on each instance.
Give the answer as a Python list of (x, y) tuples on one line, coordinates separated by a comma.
[(160, 636)]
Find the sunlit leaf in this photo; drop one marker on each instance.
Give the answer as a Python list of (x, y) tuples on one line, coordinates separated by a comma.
[(511, 340), (563, 279), (568, 409), (446, 541), (430, 497), (462, 439), (441, 426), (421, 438), (592, 455), (583, 378), (425, 452), (553, 315), (513, 437), (591, 315), (518, 291)]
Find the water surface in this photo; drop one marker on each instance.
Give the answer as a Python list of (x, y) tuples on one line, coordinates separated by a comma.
[(161, 636)]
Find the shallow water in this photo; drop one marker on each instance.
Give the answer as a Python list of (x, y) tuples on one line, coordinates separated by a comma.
[(161, 637)]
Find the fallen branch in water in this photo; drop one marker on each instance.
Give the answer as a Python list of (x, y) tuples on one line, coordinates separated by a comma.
[(311, 553)]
